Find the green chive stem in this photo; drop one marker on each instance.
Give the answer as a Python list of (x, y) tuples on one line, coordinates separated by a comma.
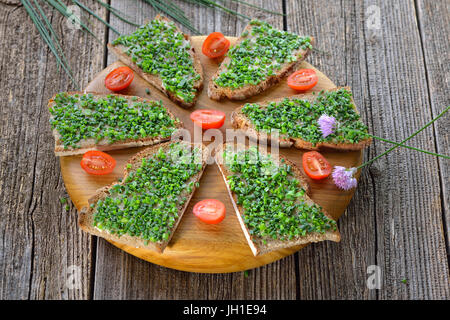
[(409, 147), (401, 143)]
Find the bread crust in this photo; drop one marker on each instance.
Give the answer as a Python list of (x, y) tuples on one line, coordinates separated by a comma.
[(155, 80), (256, 244), (85, 218), (218, 93), (104, 145), (240, 121)]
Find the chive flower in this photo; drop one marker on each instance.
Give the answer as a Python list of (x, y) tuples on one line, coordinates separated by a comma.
[(343, 177), (327, 125)]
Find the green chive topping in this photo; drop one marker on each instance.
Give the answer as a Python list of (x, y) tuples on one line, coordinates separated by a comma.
[(260, 55), (147, 204), (159, 49), (296, 118), (272, 198), (113, 118)]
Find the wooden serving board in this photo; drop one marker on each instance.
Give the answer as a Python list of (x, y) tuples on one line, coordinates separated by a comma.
[(196, 246)]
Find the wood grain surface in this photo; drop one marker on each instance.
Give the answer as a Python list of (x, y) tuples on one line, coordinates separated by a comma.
[(40, 243), (398, 218)]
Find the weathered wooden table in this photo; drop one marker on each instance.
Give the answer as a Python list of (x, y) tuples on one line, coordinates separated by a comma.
[(398, 67)]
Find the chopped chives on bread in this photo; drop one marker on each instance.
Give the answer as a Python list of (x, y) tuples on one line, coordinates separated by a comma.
[(270, 197), (145, 209), (261, 57), (83, 122), (165, 57), (296, 119)]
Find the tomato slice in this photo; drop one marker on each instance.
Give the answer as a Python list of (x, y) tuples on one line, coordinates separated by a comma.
[(303, 79), (215, 45), (316, 166), (210, 211), (208, 119), (119, 79), (97, 162)]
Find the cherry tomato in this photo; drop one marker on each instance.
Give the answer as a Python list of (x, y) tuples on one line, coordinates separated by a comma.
[(210, 211), (119, 79), (315, 165), (208, 119), (215, 45), (303, 79), (97, 162)]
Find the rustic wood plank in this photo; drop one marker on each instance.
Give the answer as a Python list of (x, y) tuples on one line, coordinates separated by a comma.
[(338, 270), (141, 280), (411, 243), (434, 22), (40, 240), (395, 218)]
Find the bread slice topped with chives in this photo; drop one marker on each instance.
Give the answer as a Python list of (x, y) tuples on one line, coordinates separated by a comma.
[(297, 120), (165, 57), (261, 57), (145, 209), (270, 197), (91, 121)]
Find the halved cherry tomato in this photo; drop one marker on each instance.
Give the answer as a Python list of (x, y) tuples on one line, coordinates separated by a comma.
[(315, 165), (97, 162), (208, 119), (215, 45), (303, 79), (210, 211), (119, 79)]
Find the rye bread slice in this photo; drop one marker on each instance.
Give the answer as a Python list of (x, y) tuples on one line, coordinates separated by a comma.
[(104, 145), (85, 219), (240, 121), (155, 80), (256, 244), (216, 92)]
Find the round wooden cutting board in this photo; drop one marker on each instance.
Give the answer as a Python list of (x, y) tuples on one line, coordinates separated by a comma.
[(196, 246)]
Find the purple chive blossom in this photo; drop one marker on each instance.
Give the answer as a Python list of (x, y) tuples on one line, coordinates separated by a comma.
[(343, 177), (327, 125)]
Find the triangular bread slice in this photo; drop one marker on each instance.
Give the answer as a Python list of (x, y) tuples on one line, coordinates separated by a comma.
[(105, 145), (257, 244), (154, 79), (216, 92), (240, 121), (86, 216)]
